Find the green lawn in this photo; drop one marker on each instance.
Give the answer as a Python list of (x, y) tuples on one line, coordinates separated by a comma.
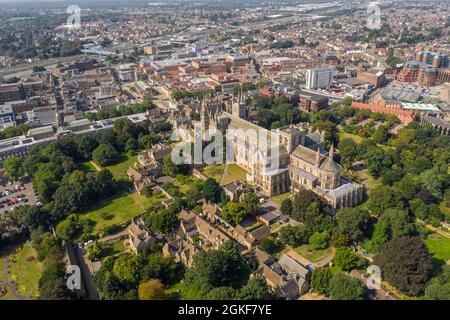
[(313, 255), (115, 247), (444, 208), (354, 137), (369, 181), (174, 291), (234, 172), (185, 183), (86, 167), (120, 209), (439, 247), (119, 170), (26, 271), (279, 199)]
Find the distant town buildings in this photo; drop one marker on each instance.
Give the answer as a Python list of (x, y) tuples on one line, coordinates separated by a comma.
[(319, 78)]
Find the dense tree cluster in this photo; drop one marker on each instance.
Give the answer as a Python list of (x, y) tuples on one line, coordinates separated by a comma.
[(406, 263), (52, 283), (127, 276), (223, 274), (336, 285), (123, 110)]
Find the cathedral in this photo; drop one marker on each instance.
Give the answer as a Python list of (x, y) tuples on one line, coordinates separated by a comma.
[(278, 161)]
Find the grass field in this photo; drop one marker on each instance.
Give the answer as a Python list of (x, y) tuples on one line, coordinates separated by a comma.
[(354, 137), (119, 170), (185, 183), (279, 199), (369, 181), (439, 247), (86, 167), (119, 209), (313, 255), (444, 208), (234, 172), (26, 271)]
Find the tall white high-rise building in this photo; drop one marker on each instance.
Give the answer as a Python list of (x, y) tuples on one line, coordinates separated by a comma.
[(319, 78)]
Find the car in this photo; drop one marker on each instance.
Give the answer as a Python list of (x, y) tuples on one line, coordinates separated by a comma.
[(2, 205), (80, 246), (39, 204), (7, 192), (262, 200)]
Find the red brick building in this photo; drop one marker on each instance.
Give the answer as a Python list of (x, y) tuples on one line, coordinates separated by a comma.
[(405, 116)]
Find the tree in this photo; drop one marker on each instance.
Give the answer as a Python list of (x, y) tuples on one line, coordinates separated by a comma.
[(377, 161), (126, 269), (160, 267), (319, 240), (344, 287), (439, 287), (286, 207), (408, 186), (419, 209), (233, 213), (255, 289), (392, 223), (320, 280), (131, 144), (67, 229), (86, 145), (348, 150), (98, 250), (31, 217), (224, 267), (152, 289), (345, 259), (381, 135), (221, 293), (124, 127), (405, 263), (354, 223), (45, 180), (162, 221), (13, 167), (382, 198), (212, 191), (294, 235), (269, 244), (250, 203), (105, 155)]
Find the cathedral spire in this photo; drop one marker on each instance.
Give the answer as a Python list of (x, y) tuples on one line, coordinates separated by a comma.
[(318, 157)]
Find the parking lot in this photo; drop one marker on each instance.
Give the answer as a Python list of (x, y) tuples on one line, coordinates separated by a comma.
[(16, 194)]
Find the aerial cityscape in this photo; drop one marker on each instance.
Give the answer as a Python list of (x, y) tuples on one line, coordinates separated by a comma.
[(224, 150)]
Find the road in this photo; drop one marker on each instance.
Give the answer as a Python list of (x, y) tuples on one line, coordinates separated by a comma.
[(86, 273), (378, 294), (115, 236)]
